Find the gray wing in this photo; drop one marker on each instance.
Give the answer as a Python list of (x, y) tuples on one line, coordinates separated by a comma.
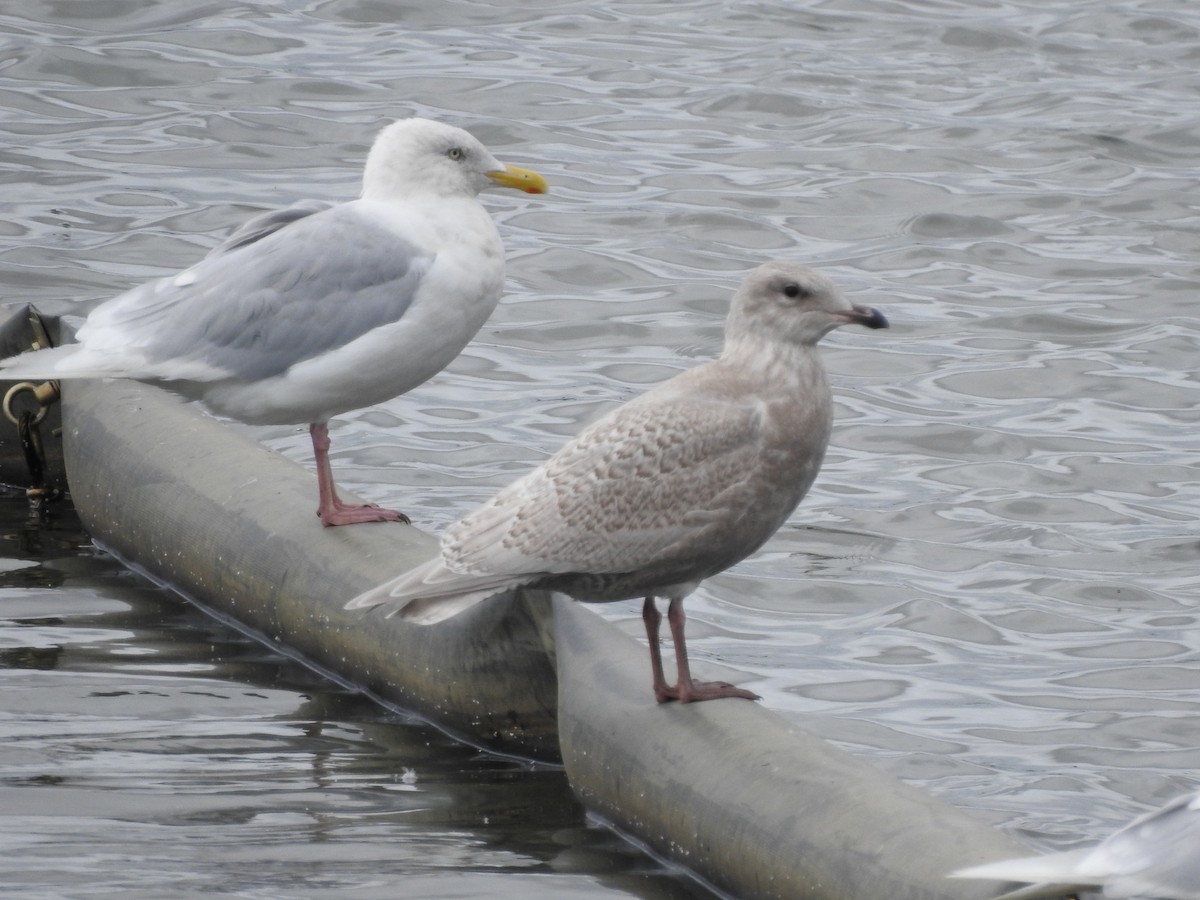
[(286, 287), (1153, 856), (1157, 854), (260, 226)]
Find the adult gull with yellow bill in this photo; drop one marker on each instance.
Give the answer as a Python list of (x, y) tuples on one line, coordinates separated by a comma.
[(314, 310)]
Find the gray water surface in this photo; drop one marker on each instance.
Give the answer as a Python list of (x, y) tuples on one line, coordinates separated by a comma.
[(991, 591)]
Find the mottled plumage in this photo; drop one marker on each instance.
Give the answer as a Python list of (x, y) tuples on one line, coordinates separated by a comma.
[(666, 490), (310, 311)]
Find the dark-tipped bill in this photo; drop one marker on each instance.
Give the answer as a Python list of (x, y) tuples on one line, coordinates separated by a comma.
[(866, 315)]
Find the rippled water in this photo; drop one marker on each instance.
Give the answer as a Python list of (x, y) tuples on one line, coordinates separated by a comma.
[(991, 591)]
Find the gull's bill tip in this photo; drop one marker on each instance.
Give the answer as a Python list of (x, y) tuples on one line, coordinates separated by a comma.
[(867, 316), (522, 179)]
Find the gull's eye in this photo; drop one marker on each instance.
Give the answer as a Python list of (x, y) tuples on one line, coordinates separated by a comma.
[(456, 153), (793, 290)]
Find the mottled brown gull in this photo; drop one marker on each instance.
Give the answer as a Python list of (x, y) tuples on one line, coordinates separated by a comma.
[(670, 488), (311, 311)]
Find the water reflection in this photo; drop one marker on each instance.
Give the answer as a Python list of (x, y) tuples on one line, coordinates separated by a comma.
[(145, 743), (991, 588)]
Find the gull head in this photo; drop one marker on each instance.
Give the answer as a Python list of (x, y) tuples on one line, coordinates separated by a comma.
[(786, 302), (420, 156)]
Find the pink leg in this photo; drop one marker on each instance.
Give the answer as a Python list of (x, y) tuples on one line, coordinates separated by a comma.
[(332, 511), (650, 616), (688, 691)]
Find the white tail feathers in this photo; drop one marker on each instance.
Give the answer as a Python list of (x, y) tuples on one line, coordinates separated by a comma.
[(1051, 877), (39, 366), (1155, 855)]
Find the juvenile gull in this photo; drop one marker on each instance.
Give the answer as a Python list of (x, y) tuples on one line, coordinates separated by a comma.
[(1155, 855), (670, 488), (311, 311)]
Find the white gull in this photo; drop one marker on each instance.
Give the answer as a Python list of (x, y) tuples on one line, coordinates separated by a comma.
[(311, 311), (1157, 855)]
